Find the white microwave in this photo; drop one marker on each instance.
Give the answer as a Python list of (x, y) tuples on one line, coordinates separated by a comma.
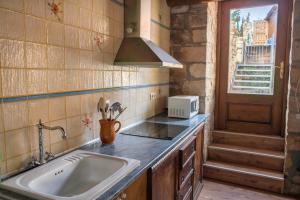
[(183, 106)]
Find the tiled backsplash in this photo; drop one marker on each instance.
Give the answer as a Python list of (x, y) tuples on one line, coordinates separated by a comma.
[(56, 60)]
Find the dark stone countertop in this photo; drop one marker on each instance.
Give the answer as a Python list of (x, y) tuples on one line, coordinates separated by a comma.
[(147, 150)]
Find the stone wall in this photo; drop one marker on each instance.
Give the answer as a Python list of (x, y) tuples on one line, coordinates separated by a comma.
[(292, 163), (193, 43)]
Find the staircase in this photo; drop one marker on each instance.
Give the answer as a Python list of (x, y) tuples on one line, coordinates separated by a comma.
[(246, 159), (253, 78)]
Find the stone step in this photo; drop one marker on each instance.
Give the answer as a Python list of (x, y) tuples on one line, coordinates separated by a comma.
[(267, 180), (266, 159), (274, 143)]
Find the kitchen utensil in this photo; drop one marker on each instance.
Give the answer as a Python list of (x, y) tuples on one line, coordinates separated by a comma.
[(101, 107), (122, 110)]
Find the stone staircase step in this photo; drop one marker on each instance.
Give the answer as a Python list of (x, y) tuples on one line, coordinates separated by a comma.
[(244, 175), (258, 141), (266, 159)]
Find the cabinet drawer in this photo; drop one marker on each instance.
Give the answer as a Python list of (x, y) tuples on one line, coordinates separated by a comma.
[(187, 187), (187, 151), (188, 167)]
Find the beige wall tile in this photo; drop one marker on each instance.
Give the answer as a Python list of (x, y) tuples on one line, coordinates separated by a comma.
[(14, 82), (72, 58), (98, 79), (86, 59), (59, 16), (85, 18), (71, 36), (108, 45), (38, 109), (74, 126), (73, 105), (71, 14), (1, 119), (17, 5), (88, 104), (108, 61), (98, 6), (37, 81), (55, 57), (17, 142), (125, 78), (117, 78), (87, 79), (2, 147), (86, 4), (16, 115), (97, 60), (18, 162), (59, 147), (73, 80), (35, 7), (56, 81), (55, 34), (12, 25), (55, 136), (98, 23), (57, 108), (85, 39), (35, 29), (36, 55), (108, 79), (12, 53)]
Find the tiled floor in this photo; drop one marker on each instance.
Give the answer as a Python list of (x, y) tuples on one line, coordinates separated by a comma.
[(221, 191)]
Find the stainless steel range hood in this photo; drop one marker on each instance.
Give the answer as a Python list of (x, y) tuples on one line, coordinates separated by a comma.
[(136, 48)]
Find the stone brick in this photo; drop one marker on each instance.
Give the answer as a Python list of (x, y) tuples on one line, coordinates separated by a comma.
[(197, 70), (296, 51), (180, 9), (194, 87), (191, 54), (293, 142), (181, 36), (197, 20), (199, 35), (177, 21), (293, 123), (296, 30), (297, 11)]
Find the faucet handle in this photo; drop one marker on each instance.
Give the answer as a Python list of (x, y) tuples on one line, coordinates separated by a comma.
[(33, 162)]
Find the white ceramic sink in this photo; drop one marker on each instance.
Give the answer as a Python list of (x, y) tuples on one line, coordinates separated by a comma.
[(76, 176)]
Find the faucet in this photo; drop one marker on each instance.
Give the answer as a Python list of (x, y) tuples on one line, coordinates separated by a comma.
[(41, 126)]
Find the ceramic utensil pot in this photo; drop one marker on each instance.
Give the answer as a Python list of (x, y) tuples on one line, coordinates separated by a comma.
[(108, 130)]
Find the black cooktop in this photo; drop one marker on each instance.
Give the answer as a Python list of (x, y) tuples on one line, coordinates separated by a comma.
[(155, 130)]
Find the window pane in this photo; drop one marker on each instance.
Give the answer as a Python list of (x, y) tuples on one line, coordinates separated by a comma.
[(252, 46)]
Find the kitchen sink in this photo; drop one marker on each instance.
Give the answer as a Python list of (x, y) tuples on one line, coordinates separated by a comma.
[(75, 176)]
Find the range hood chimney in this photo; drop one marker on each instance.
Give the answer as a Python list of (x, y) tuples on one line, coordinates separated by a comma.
[(136, 48)]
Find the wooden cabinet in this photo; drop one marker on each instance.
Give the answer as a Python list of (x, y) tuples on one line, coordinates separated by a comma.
[(136, 191), (198, 164), (163, 178), (178, 176)]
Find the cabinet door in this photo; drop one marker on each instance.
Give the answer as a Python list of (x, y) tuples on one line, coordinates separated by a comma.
[(198, 164), (163, 182), (136, 191)]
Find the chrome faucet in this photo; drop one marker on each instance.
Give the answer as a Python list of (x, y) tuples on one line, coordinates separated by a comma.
[(41, 126)]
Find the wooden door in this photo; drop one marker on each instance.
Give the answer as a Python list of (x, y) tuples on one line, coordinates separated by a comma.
[(253, 58)]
